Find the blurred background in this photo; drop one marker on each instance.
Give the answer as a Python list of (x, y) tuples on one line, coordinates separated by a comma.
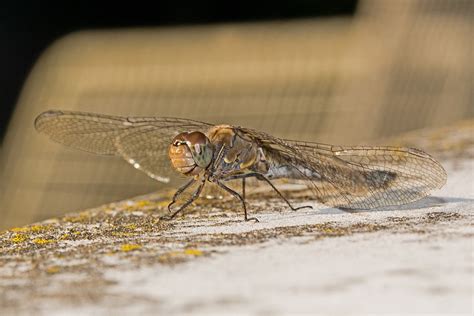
[(346, 72)]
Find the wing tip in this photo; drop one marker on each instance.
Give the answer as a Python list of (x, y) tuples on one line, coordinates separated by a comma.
[(441, 174), (45, 116)]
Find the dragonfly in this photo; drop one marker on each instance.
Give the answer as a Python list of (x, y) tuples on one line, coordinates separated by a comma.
[(345, 177)]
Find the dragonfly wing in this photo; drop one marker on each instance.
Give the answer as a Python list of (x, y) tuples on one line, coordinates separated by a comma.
[(94, 133), (370, 177), (146, 149), (141, 141)]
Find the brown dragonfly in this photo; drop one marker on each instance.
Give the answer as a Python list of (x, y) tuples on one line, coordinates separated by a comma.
[(347, 177)]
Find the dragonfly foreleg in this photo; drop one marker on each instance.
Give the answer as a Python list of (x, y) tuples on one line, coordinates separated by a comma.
[(237, 195), (193, 197), (179, 192), (261, 177)]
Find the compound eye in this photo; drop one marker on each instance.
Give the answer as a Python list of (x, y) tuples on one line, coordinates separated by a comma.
[(197, 138), (179, 139)]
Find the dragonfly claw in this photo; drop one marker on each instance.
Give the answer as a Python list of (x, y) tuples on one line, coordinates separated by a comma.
[(302, 207), (252, 219)]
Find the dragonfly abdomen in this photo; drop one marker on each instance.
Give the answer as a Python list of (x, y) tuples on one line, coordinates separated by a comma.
[(291, 172)]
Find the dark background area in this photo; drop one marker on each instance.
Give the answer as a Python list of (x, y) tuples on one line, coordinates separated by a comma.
[(28, 27)]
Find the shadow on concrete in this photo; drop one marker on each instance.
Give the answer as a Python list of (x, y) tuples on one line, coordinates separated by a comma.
[(427, 202)]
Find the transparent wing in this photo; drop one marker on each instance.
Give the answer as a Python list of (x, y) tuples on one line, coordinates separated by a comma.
[(371, 177), (354, 177), (141, 141)]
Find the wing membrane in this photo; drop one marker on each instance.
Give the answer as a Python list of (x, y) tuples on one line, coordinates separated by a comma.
[(372, 177), (145, 148), (141, 141)]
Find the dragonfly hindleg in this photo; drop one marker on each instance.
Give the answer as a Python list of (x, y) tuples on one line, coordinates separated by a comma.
[(261, 177), (237, 195)]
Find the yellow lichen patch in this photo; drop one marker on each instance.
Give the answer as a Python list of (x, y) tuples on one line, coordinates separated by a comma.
[(329, 230), (32, 228), (18, 238), (19, 229), (53, 270), (27, 229), (64, 236), (142, 203), (129, 247), (37, 228), (42, 241), (130, 226), (193, 252)]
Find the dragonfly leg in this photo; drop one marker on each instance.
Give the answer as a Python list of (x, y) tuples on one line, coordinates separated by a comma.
[(191, 200), (237, 195), (178, 193), (243, 188), (261, 177)]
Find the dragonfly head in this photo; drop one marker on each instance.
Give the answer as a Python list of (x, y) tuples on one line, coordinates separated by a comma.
[(190, 153)]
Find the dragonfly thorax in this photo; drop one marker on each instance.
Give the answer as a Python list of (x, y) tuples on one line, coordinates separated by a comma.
[(190, 153)]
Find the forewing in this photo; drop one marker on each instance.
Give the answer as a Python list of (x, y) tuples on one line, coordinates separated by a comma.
[(94, 133), (354, 177), (141, 141)]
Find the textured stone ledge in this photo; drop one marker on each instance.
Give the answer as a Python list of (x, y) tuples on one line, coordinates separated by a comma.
[(122, 258)]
